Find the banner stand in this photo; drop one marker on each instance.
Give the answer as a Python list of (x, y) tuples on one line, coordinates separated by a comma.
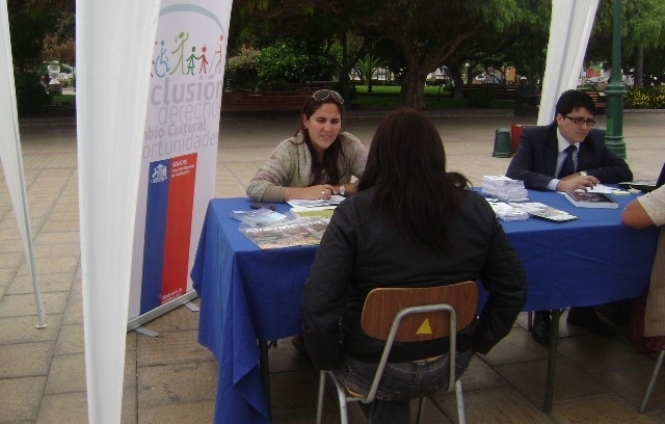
[(136, 324)]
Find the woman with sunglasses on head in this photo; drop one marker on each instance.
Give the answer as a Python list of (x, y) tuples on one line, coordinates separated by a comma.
[(318, 161)]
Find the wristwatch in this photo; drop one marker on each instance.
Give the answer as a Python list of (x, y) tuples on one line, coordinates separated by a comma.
[(583, 173), (342, 190)]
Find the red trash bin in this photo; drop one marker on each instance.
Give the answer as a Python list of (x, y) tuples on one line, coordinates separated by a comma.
[(515, 133)]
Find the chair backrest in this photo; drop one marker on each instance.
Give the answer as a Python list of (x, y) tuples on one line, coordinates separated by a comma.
[(383, 304)]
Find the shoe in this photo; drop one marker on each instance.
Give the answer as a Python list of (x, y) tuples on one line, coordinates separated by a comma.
[(586, 317), (540, 330)]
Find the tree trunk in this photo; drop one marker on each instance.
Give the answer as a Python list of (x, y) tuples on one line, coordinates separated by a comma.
[(458, 88), (413, 87), (639, 66)]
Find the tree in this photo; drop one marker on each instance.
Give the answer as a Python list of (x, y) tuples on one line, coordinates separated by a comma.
[(31, 23), (427, 33), (317, 29), (641, 30)]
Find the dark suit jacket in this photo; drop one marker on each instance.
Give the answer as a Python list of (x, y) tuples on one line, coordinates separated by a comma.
[(535, 159)]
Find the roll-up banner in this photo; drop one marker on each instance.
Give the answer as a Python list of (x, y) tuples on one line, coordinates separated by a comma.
[(179, 154)]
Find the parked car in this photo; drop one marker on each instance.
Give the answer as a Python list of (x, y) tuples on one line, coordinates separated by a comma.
[(594, 81), (437, 79), (491, 79)]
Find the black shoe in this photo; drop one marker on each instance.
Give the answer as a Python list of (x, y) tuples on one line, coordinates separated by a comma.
[(540, 330), (587, 318)]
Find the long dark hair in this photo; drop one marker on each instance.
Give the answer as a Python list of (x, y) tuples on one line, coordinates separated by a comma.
[(407, 168), (333, 154)]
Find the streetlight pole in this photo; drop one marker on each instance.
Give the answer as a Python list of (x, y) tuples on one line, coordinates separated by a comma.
[(615, 91)]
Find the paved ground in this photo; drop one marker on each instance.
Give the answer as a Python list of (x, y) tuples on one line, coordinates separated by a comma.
[(171, 379)]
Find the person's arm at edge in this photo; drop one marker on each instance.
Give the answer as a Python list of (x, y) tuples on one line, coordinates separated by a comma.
[(357, 161), (521, 165), (324, 293), (613, 169), (504, 278), (267, 185), (634, 216)]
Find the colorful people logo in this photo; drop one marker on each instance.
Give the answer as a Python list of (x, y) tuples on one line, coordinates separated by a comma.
[(180, 39), (162, 64)]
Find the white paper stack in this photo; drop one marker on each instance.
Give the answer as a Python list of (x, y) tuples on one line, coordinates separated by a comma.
[(506, 212), (504, 188)]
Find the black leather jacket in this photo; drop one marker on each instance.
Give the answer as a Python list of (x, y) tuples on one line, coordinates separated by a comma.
[(360, 252)]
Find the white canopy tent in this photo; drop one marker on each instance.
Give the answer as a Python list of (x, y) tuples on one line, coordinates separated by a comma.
[(11, 156), (114, 48), (570, 28)]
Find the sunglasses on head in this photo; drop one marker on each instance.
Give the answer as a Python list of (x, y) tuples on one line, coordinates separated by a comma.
[(323, 95)]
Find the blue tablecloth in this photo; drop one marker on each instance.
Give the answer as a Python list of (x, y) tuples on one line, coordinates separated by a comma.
[(249, 294)]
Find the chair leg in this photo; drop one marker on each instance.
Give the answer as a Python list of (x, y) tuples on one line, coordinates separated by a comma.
[(341, 395), (421, 410), (319, 403), (654, 375), (461, 418)]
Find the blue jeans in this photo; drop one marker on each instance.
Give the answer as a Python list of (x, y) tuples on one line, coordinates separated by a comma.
[(400, 383)]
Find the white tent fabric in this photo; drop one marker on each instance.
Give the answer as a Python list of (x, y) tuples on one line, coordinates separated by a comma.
[(115, 40), (570, 29), (11, 156)]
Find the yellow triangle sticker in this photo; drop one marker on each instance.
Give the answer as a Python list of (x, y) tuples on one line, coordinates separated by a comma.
[(424, 327)]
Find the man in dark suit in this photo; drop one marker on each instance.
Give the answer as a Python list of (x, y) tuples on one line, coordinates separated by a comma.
[(568, 155)]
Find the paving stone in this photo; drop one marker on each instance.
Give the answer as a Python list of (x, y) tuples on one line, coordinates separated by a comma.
[(20, 398), (171, 348), (24, 304), (194, 412), (163, 385), (15, 330), (25, 359)]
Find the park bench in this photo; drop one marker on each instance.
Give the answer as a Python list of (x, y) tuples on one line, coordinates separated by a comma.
[(599, 100), (498, 91), (265, 101)]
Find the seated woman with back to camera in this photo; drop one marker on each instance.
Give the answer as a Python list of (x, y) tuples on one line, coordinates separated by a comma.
[(411, 224)]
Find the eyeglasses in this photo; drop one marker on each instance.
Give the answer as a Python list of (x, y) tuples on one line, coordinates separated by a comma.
[(323, 95), (578, 120)]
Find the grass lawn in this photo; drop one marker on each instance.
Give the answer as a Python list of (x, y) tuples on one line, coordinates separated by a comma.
[(387, 96), (382, 97)]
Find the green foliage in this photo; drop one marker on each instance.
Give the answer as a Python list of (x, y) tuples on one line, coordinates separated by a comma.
[(32, 98), (274, 68), (282, 62), (241, 72), (367, 67), (645, 97)]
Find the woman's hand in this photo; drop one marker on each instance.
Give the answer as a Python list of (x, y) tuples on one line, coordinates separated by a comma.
[(321, 191)]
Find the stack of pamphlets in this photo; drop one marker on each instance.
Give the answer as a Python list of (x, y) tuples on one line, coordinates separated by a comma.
[(258, 217), (309, 208), (291, 232), (541, 210), (504, 188), (506, 212)]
